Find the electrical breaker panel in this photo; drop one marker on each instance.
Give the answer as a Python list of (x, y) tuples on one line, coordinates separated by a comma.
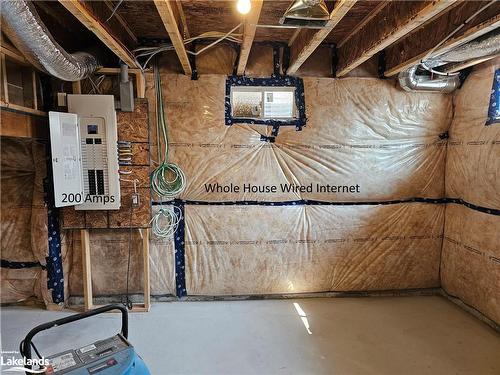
[(97, 138)]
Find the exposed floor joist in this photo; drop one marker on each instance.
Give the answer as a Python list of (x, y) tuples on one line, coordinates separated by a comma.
[(249, 28), (411, 50), (88, 20), (168, 17), (363, 22), (182, 18), (307, 40), (393, 22)]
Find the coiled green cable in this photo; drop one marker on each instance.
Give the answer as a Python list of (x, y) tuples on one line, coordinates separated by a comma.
[(168, 179)]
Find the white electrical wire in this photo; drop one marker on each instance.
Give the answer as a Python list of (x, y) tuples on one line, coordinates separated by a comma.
[(150, 52), (165, 222)]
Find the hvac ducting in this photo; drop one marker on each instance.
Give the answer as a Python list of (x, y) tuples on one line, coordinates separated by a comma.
[(306, 13), (411, 81), (485, 46), (24, 28)]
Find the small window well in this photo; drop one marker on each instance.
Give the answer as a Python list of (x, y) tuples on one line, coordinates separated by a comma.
[(276, 101)]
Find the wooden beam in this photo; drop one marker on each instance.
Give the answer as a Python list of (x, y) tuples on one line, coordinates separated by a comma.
[(394, 21), (16, 124), (307, 40), (87, 270), (466, 64), (168, 16), (249, 28), (90, 22), (410, 51), (363, 22), (182, 18)]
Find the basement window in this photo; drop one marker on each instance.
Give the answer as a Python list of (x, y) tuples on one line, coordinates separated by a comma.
[(276, 101), (494, 107), (265, 103)]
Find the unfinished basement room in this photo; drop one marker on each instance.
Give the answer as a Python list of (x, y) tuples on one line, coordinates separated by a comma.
[(250, 187)]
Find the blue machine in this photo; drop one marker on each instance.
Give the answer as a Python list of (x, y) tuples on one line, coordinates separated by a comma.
[(111, 356)]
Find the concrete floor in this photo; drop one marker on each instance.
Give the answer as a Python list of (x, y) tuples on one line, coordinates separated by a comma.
[(383, 335)]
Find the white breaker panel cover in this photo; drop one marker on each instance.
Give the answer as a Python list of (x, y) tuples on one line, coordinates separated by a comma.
[(97, 138)]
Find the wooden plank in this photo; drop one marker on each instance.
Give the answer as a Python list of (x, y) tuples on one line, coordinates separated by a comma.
[(87, 270), (35, 85), (76, 87), (459, 66), (5, 85), (182, 16), (308, 40), (88, 20), (140, 85), (363, 22), (16, 124), (413, 49), (145, 259), (168, 18), (394, 21), (20, 108), (249, 28)]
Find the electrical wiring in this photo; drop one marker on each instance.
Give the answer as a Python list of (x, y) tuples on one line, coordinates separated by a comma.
[(165, 222), (150, 52), (168, 179)]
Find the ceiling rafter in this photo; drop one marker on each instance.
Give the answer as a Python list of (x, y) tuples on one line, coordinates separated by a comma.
[(249, 29), (169, 16), (307, 40), (83, 15), (396, 20)]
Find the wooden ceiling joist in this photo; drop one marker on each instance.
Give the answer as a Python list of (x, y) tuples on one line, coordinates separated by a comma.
[(307, 40), (169, 15), (249, 28), (88, 20), (411, 50), (396, 20), (363, 22)]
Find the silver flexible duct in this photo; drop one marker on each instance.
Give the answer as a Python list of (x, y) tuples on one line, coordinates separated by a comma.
[(26, 31), (410, 81), (487, 45)]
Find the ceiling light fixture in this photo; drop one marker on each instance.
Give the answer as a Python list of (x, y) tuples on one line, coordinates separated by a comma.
[(243, 6)]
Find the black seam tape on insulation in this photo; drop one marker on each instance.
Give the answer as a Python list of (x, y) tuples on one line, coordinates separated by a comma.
[(304, 202), (19, 265)]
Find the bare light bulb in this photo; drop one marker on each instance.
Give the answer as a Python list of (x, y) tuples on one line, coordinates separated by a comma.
[(243, 6)]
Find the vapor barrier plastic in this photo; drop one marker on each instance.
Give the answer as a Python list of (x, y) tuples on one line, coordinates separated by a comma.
[(233, 250), (473, 161), (362, 132), (470, 265), (24, 219)]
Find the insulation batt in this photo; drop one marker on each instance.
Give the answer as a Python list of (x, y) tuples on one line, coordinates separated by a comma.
[(470, 263)]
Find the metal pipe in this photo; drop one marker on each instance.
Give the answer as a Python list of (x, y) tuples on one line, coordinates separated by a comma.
[(411, 81), (25, 29)]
